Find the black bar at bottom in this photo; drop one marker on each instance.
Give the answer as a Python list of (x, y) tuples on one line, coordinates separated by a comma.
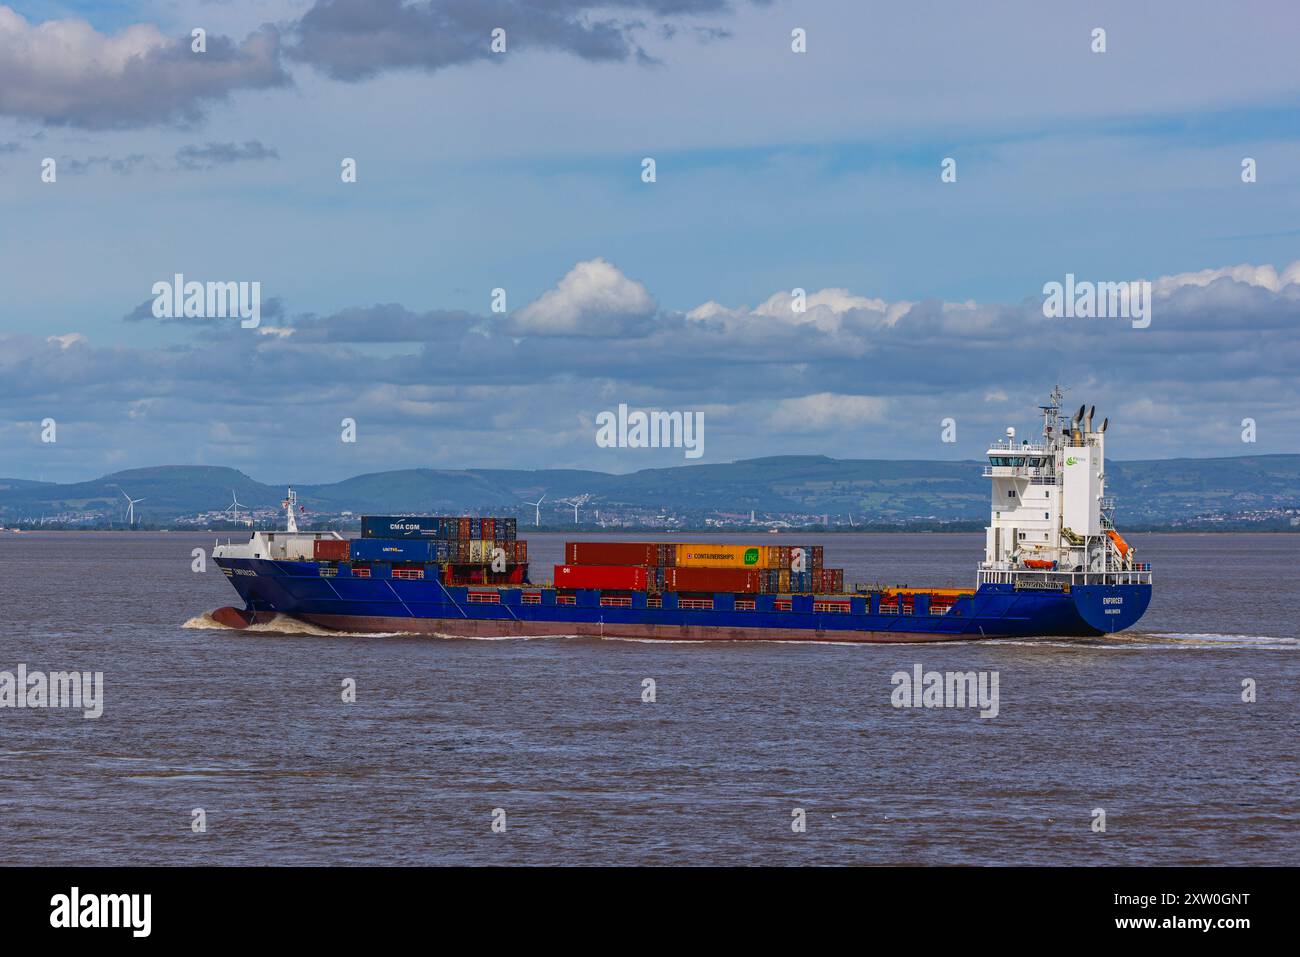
[(332, 906)]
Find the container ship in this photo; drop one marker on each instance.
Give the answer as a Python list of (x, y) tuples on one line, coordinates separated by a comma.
[(1054, 565)]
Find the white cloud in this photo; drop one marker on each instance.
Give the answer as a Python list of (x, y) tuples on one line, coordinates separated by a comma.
[(65, 71), (67, 340), (711, 310), (829, 310), (593, 298), (1265, 277), (828, 410)]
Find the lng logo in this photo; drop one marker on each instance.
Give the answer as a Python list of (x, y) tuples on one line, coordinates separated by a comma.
[(946, 689), (215, 300), (1098, 300), (103, 910), (751, 556), (58, 689), (651, 430)]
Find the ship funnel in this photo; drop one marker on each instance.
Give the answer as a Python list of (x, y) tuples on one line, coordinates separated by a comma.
[(1079, 416), (1091, 412), (1104, 422)]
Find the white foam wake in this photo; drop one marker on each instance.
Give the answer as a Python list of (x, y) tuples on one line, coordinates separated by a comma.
[(285, 625)]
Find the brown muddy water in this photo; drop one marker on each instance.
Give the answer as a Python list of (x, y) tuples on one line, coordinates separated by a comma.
[(1149, 726)]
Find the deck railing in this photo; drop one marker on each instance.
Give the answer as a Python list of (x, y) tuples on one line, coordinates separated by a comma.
[(1001, 573)]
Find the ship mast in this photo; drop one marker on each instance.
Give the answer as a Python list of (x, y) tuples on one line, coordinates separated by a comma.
[(290, 504), (1052, 415)]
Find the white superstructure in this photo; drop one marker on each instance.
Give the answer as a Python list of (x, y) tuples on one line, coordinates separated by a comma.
[(1051, 520), (289, 545)]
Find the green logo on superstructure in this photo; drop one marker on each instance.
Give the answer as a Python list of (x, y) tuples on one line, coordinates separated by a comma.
[(1071, 461), (751, 556)]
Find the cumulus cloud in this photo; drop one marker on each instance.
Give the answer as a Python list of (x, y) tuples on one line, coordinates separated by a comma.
[(67, 73), (67, 340), (825, 411), (594, 299), (356, 39), (1265, 277), (64, 72), (827, 308), (456, 388)]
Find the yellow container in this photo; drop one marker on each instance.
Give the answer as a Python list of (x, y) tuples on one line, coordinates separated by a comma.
[(708, 555)]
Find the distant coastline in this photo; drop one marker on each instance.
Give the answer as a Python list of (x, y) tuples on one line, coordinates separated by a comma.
[(807, 493)]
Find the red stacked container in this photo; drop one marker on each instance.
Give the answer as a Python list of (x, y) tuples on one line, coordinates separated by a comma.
[(611, 553), (330, 550), (742, 580), (618, 577)]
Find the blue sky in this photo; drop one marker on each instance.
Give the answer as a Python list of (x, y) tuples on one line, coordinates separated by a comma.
[(775, 170)]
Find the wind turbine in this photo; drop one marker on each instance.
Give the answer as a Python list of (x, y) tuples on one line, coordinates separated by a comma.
[(577, 501), (235, 506), (537, 516), (130, 507)]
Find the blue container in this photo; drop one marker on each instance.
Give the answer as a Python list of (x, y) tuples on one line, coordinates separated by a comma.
[(398, 526), (390, 550)]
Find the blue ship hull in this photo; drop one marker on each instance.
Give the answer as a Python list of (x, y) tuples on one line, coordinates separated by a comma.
[(385, 604)]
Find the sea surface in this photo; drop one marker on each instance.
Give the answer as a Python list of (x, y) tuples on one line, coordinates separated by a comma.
[(552, 737)]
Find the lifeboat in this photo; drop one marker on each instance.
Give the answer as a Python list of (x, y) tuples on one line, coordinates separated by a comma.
[(1039, 563), (1121, 546)]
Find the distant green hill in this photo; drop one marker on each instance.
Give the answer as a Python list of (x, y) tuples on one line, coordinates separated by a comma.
[(884, 490), (10, 483)]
